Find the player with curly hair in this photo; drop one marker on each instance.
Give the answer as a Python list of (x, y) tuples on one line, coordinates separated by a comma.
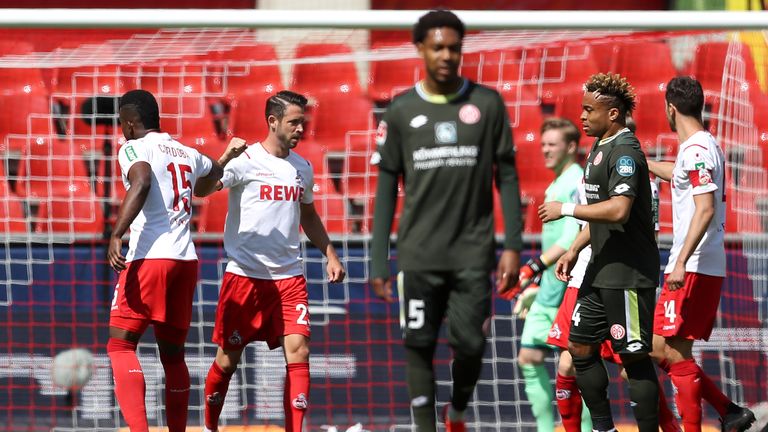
[(618, 294)]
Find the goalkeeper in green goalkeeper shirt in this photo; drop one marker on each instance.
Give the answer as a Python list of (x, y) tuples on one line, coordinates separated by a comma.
[(538, 305)]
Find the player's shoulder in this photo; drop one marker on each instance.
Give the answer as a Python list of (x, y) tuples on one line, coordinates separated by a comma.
[(298, 160), (626, 144), (403, 99), (701, 141)]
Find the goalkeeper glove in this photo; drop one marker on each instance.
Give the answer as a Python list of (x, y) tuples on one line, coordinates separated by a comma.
[(524, 302), (531, 270)]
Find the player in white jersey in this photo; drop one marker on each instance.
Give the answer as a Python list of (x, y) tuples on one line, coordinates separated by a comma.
[(160, 175), (264, 293), (689, 299)]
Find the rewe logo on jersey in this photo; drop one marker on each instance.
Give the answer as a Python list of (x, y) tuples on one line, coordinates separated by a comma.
[(280, 193)]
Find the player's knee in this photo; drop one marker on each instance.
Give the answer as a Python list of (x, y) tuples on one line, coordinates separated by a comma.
[(659, 348), (565, 364), (299, 354), (227, 365), (580, 350), (528, 356)]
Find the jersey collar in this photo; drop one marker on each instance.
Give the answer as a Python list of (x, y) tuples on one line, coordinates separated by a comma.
[(441, 99), (612, 137)]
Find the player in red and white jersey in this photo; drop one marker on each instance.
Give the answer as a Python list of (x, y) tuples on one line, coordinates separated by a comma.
[(687, 306), (264, 293), (160, 175)]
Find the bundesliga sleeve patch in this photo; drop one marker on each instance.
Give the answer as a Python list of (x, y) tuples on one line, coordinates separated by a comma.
[(130, 153), (625, 166)]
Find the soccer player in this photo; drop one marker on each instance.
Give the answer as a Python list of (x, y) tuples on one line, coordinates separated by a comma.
[(160, 175), (559, 146), (569, 402), (449, 139), (618, 293), (689, 299), (263, 292)]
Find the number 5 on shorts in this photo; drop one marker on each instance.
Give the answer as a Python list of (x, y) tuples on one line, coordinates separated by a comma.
[(415, 314)]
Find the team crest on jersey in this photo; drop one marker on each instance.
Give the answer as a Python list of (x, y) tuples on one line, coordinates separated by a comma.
[(418, 121), (130, 153), (235, 339), (704, 176), (300, 402), (381, 133), (617, 331), (625, 166), (598, 158), (555, 332), (469, 114), (445, 133)]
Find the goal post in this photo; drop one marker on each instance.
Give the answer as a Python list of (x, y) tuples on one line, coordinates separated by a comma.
[(212, 71)]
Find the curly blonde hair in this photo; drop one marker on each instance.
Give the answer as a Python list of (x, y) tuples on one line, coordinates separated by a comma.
[(615, 88)]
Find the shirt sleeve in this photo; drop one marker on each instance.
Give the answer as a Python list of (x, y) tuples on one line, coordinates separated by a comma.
[(389, 144), (233, 172), (203, 163), (698, 166), (129, 154), (308, 196), (624, 173), (655, 205)]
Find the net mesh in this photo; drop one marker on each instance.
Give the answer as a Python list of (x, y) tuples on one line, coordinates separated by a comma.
[(60, 189)]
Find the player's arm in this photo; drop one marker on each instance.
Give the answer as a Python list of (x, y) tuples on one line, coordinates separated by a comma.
[(140, 179), (389, 159), (661, 169), (700, 177), (568, 259), (508, 269), (616, 209), (315, 230), (212, 182)]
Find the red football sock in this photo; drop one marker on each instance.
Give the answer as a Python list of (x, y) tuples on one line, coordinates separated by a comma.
[(667, 420), (712, 394), (296, 395), (176, 390), (686, 378), (216, 385), (568, 402), (129, 383)]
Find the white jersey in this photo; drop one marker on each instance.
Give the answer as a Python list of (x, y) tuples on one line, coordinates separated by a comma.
[(261, 234), (161, 229), (580, 268), (699, 169)]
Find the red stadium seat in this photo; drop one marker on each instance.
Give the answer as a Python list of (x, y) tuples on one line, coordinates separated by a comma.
[(12, 218), (359, 176), (391, 77), (646, 65), (320, 77), (495, 68), (708, 65), (337, 114), (196, 132), (331, 207), (49, 168), (241, 75), (76, 213), (565, 70), (22, 89), (651, 119), (247, 116), (665, 208)]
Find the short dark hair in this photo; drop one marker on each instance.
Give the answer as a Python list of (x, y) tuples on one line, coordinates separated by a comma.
[(616, 88), (145, 105), (686, 94), (569, 130), (435, 19), (278, 103)]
